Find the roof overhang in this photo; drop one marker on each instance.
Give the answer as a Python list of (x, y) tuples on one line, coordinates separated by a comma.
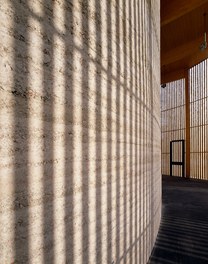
[(182, 32)]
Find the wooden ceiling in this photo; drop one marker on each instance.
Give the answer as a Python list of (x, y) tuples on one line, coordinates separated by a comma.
[(182, 32)]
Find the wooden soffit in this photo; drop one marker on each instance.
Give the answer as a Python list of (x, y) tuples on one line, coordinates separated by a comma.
[(182, 32)]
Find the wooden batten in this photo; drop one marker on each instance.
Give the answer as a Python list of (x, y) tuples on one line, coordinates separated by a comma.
[(187, 116)]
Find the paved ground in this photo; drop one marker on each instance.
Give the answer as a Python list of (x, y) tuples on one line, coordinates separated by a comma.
[(183, 234)]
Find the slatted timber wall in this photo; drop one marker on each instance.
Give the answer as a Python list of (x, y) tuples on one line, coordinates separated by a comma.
[(173, 123), (198, 77)]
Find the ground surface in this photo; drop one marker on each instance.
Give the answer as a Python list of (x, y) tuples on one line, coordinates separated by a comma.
[(183, 233)]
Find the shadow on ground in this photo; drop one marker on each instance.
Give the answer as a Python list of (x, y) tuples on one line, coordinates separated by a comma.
[(183, 233)]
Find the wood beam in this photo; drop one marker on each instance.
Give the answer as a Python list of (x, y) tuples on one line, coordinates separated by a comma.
[(187, 109), (197, 58), (180, 58), (183, 51), (172, 10), (167, 77), (178, 73)]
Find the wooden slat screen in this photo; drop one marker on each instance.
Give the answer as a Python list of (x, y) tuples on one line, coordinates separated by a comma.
[(173, 123), (198, 77)]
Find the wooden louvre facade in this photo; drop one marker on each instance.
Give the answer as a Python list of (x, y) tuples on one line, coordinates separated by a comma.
[(198, 77), (174, 115), (173, 123)]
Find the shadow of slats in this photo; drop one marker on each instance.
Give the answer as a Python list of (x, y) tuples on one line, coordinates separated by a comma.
[(183, 232)]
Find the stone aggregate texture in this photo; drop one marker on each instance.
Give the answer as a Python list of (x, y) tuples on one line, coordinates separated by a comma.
[(80, 143)]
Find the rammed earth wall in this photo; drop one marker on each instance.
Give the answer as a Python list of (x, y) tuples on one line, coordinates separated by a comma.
[(80, 134)]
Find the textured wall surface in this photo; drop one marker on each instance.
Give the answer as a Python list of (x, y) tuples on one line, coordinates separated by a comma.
[(80, 176), (172, 124)]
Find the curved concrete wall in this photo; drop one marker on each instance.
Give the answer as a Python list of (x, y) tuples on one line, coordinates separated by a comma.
[(80, 175)]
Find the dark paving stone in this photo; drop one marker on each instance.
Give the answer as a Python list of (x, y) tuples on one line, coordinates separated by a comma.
[(183, 233)]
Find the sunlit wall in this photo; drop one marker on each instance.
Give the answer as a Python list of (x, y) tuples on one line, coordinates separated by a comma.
[(80, 139)]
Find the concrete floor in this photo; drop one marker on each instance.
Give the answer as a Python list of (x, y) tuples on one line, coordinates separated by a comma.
[(183, 234)]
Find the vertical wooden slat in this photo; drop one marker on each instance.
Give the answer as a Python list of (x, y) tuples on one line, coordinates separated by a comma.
[(187, 110), (173, 112), (198, 82), (191, 114), (199, 116)]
